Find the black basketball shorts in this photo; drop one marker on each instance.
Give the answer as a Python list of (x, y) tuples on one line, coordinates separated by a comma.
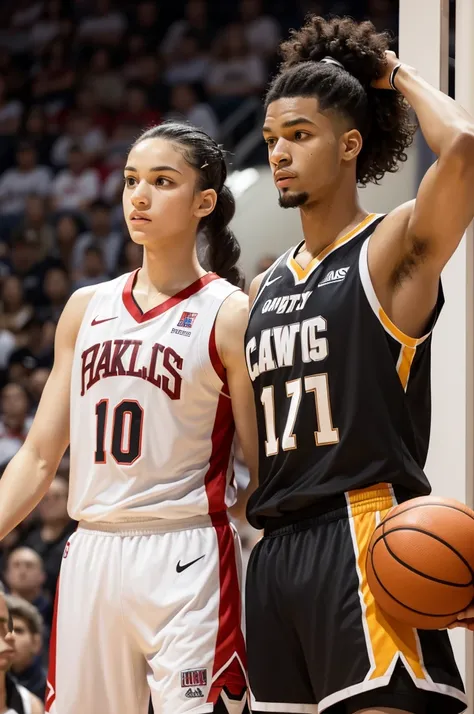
[(316, 639)]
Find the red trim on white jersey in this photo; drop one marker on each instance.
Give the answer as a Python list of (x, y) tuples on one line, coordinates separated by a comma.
[(140, 316), (51, 682)]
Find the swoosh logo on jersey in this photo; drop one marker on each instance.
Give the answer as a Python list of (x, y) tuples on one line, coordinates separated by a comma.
[(180, 568), (269, 282), (95, 321)]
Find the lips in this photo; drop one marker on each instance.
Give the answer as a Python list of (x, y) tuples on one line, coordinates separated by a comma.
[(139, 218), (283, 178)]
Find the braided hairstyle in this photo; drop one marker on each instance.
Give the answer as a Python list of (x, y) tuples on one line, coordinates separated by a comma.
[(207, 159), (381, 116)]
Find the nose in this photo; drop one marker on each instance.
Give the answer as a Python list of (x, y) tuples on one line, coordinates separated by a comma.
[(280, 156), (141, 196)]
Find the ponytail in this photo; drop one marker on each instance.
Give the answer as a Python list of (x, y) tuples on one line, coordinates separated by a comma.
[(223, 247)]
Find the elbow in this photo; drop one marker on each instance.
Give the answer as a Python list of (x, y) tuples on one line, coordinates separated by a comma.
[(463, 144)]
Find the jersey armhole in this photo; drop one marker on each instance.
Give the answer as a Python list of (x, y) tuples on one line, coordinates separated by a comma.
[(385, 321)]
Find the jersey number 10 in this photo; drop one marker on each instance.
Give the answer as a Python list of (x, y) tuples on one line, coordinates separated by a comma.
[(126, 442), (325, 433)]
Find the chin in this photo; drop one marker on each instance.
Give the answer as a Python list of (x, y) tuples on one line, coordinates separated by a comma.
[(293, 199)]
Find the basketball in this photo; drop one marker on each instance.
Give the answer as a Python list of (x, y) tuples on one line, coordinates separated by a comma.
[(420, 562)]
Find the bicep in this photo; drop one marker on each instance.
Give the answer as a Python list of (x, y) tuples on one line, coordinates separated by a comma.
[(444, 205), (49, 433)]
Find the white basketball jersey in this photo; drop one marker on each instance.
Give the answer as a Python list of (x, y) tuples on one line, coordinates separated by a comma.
[(151, 419)]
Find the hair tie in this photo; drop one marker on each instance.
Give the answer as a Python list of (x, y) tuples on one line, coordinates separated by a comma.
[(331, 60), (204, 165)]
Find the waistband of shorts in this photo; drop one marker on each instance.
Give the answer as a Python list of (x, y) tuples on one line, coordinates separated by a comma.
[(153, 526), (379, 497)]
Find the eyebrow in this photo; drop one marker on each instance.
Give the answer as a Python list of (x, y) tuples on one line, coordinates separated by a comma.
[(291, 122), (154, 169)]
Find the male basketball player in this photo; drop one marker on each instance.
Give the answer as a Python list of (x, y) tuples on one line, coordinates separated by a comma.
[(338, 350), (145, 366)]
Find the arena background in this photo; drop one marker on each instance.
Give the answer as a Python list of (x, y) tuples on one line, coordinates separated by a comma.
[(79, 80)]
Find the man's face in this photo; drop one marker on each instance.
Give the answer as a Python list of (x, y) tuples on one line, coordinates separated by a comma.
[(27, 645), (7, 638), (24, 573)]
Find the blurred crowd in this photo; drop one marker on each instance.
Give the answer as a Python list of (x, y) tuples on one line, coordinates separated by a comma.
[(79, 80)]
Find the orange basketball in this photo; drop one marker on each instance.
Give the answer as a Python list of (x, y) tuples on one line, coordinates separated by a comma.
[(420, 563)]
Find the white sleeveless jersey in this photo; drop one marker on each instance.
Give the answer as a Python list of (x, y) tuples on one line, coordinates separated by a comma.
[(151, 419)]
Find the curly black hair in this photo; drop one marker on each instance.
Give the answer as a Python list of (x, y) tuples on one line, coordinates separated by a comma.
[(382, 116)]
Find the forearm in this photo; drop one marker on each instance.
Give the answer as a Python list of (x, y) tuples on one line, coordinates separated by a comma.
[(442, 120), (22, 486)]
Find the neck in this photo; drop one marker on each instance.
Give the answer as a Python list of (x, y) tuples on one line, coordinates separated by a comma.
[(3, 693), (51, 531), (171, 266), (324, 221), (30, 594)]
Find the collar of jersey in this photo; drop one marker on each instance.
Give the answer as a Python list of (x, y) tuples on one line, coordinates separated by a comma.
[(302, 274)]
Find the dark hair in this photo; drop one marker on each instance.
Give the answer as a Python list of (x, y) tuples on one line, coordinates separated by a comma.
[(207, 158), (381, 116), (23, 610)]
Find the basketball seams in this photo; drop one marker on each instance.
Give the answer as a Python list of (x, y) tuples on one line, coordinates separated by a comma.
[(419, 572)]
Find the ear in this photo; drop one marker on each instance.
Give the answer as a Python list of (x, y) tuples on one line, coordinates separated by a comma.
[(206, 202), (37, 644), (351, 145)]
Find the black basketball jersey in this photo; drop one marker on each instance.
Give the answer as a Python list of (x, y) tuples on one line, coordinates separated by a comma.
[(342, 395)]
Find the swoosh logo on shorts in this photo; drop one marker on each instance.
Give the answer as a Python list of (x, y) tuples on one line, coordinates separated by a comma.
[(180, 568)]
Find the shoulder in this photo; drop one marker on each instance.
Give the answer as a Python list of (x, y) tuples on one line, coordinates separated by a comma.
[(231, 325), (36, 704), (255, 286)]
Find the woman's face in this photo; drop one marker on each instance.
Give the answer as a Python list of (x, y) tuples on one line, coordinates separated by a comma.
[(160, 201), (12, 292)]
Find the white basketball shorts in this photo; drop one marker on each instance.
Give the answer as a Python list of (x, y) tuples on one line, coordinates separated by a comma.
[(148, 609)]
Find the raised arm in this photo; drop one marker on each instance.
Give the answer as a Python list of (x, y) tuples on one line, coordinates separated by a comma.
[(230, 331), (418, 238), (30, 472)]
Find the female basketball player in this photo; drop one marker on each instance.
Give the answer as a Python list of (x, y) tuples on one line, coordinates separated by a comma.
[(149, 598), (338, 349)]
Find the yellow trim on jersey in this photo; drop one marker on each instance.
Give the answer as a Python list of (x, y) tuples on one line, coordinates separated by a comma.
[(405, 361), (385, 636), (303, 272), (395, 332)]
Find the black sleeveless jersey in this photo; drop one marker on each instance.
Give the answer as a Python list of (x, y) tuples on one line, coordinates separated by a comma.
[(342, 395)]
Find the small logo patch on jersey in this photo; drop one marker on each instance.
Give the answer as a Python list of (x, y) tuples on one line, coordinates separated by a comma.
[(194, 693), (66, 549), (334, 276), (194, 678), (187, 319)]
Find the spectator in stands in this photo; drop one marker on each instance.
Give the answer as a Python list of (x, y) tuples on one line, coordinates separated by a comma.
[(190, 62), (148, 73), (93, 268), (85, 104), (35, 224), (68, 228), (185, 104), (235, 73), (19, 182), (56, 289), (28, 262), (105, 27), (15, 421), (136, 111), (101, 235), (54, 82), (25, 577), (36, 383), (131, 257), (15, 311), (11, 111), (195, 21), (48, 26), (146, 23), (75, 187), (27, 665), (80, 132), (13, 697), (35, 130), (262, 31), (49, 538), (104, 81)]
